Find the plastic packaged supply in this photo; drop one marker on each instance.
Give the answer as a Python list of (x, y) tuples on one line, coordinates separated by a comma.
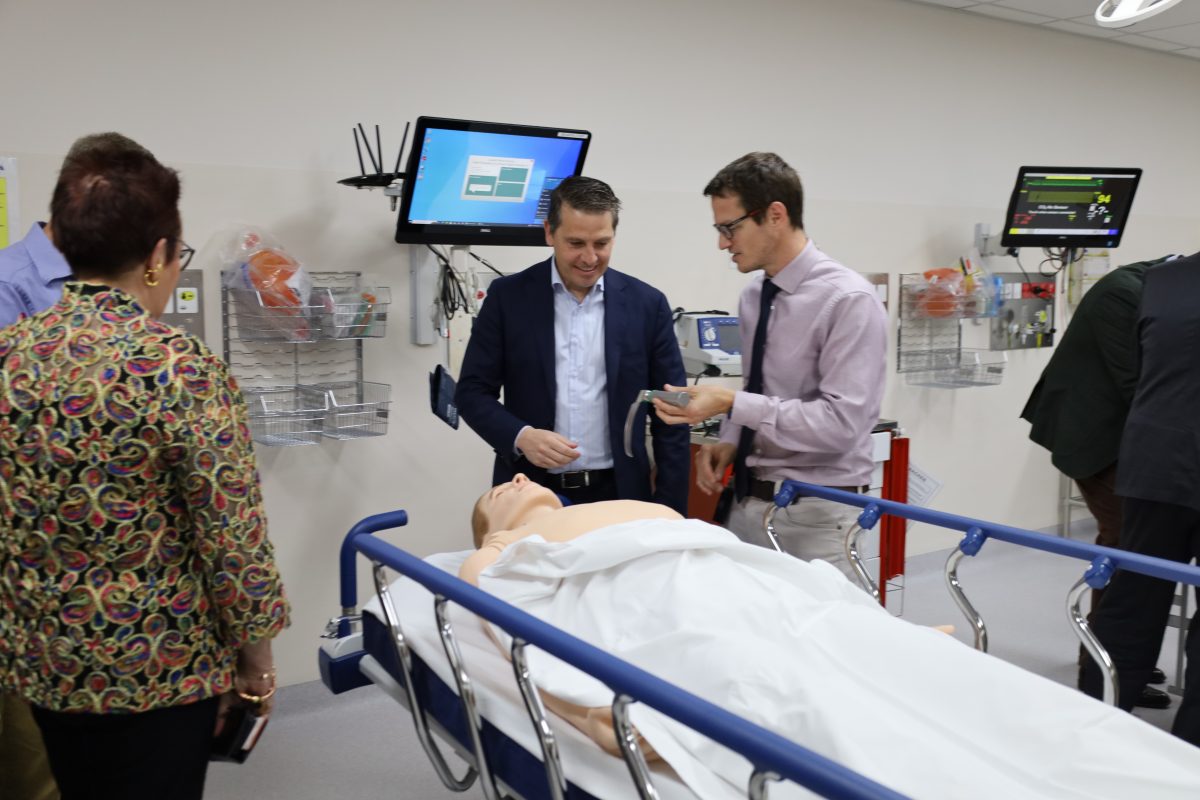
[(956, 292), (941, 295), (273, 273), (254, 261), (352, 313)]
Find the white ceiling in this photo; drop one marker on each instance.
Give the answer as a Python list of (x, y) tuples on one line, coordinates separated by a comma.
[(1176, 30)]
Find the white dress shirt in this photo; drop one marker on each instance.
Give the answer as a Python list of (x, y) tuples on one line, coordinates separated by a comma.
[(581, 399)]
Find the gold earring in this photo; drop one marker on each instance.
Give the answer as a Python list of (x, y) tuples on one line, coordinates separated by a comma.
[(151, 276)]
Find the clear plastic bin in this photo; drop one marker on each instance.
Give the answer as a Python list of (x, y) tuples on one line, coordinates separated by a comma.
[(285, 416)]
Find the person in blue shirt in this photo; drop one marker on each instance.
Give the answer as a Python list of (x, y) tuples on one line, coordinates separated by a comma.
[(32, 273)]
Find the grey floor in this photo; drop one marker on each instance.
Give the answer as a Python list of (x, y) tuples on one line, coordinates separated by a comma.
[(361, 745)]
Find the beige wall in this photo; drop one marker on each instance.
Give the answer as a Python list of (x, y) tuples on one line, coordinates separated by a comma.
[(907, 123)]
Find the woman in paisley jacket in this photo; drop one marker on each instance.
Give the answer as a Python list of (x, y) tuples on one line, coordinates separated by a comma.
[(138, 589)]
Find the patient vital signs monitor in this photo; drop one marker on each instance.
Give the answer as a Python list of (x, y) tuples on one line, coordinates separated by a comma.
[(1069, 207), (471, 182)]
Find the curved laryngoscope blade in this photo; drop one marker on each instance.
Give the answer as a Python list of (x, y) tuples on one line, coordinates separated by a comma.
[(679, 399)]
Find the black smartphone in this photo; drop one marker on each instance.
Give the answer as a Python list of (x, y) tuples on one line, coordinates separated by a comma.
[(724, 506), (243, 727)]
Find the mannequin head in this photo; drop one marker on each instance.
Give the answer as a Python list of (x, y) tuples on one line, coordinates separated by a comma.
[(510, 505)]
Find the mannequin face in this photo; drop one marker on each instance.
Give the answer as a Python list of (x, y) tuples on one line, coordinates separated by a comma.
[(507, 506)]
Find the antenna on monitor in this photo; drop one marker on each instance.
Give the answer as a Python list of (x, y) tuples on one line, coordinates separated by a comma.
[(390, 182)]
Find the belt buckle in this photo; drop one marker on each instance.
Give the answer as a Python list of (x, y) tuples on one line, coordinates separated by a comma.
[(568, 479)]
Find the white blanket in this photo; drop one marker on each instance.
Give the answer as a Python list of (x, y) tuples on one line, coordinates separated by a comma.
[(796, 648)]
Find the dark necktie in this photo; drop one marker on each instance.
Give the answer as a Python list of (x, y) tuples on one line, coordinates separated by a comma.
[(754, 385)]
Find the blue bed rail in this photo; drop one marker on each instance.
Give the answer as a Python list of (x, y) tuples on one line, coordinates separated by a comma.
[(1104, 560), (768, 752)]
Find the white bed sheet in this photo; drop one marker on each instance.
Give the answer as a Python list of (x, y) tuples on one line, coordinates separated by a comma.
[(585, 764), (796, 648)]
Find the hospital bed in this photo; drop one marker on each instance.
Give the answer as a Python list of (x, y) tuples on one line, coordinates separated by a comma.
[(1102, 561), (418, 641)]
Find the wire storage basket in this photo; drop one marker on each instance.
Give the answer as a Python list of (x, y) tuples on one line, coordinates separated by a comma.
[(330, 312), (353, 313), (955, 368), (355, 410), (285, 416), (938, 297), (300, 365)]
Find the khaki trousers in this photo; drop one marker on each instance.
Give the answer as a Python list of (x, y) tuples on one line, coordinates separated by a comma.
[(811, 529), (24, 767)]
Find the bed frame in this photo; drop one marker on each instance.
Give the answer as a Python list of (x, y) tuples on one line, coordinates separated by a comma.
[(502, 767)]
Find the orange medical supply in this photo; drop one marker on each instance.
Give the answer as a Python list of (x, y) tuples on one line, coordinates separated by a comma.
[(269, 271)]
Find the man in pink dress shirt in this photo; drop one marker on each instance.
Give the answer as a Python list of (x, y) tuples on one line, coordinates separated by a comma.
[(808, 413)]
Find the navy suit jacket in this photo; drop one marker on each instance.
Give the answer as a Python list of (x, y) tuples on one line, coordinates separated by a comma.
[(1160, 449), (512, 348)]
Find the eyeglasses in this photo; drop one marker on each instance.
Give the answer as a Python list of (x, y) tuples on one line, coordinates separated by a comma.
[(185, 255), (726, 229)]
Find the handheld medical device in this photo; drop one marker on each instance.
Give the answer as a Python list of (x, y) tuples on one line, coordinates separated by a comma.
[(679, 399), (710, 343)]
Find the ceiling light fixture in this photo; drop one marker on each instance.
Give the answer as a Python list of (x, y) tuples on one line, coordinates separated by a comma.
[(1122, 13)]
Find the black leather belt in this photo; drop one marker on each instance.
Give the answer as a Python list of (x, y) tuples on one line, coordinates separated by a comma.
[(765, 490), (580, 479)]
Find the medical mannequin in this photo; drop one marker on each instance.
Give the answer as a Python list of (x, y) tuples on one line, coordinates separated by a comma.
[(521, 508)]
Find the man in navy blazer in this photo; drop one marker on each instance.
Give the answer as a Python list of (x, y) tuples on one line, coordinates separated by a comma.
[(571, 343), (1158, 475)]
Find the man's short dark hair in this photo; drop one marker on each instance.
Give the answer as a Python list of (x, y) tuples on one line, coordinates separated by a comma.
[(582, 194), (112, 203), (759, 179)]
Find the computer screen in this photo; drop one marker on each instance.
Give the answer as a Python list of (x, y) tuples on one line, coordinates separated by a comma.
[(471, 182), (728, 337), (1069, 207)]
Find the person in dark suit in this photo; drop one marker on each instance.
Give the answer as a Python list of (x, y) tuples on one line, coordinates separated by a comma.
[(1077, 409), (571, 343), (1159, 478)]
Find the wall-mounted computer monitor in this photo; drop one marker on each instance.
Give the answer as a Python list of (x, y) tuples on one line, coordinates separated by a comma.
[(472, 182), (1069, 207)]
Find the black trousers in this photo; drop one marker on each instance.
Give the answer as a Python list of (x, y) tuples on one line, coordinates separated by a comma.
[(152, 755), (1133, 614)]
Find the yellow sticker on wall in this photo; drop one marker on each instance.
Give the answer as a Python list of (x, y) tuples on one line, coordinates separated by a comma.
[(3, 213)]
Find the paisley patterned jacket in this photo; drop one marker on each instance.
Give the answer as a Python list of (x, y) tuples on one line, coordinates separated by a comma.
[(134, 558)]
